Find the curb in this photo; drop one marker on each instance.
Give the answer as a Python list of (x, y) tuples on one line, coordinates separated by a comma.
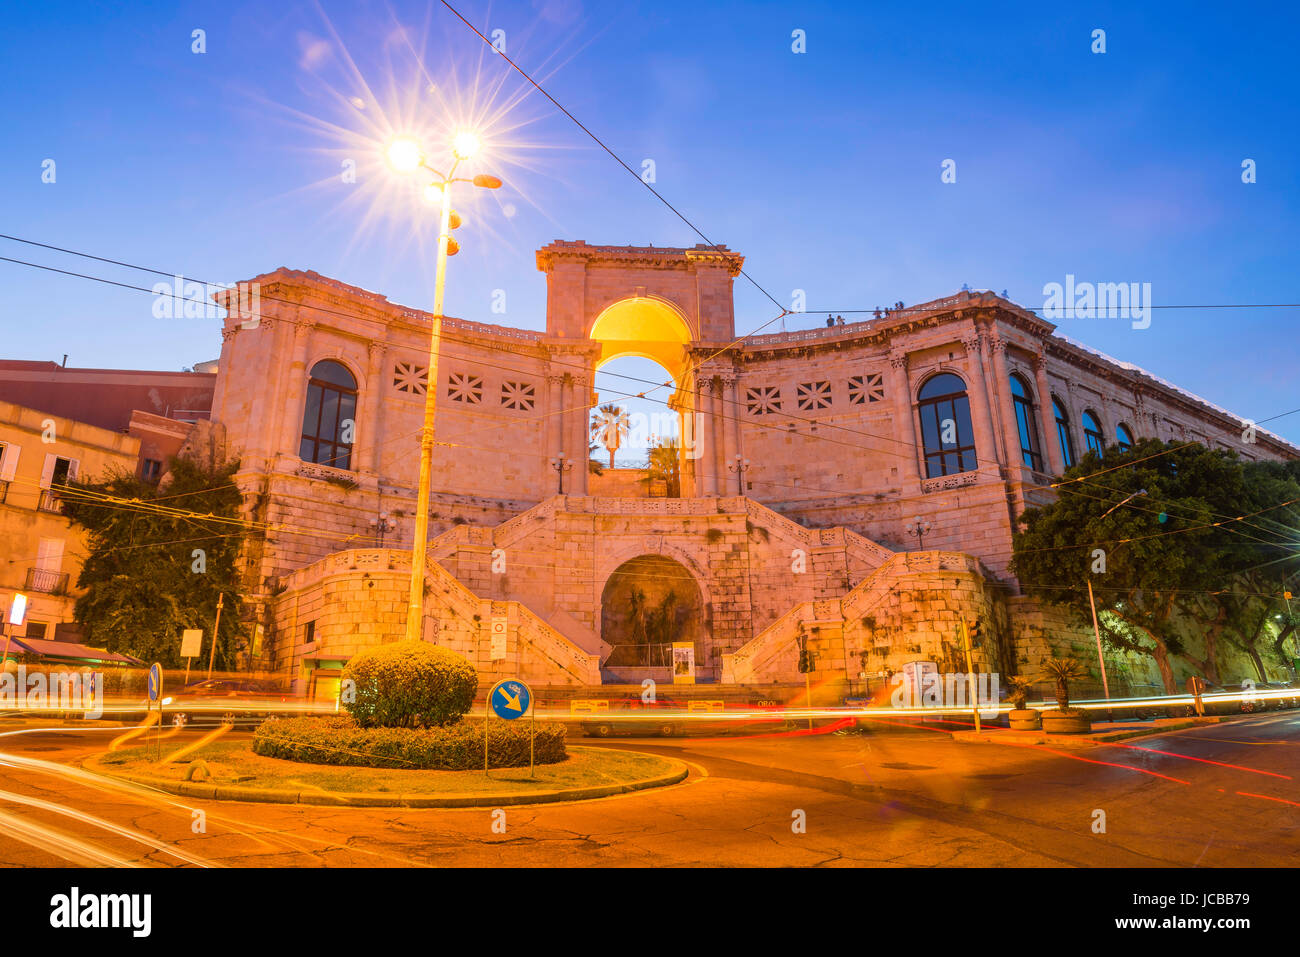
[(219, 792)]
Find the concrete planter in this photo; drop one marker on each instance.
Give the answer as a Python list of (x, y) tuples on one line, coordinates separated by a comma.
[(1066, 722), (1024, 719)]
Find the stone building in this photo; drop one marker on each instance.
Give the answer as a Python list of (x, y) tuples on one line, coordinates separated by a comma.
[(810, 462)]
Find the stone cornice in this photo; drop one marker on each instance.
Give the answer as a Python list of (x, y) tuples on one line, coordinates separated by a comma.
[(657, 257)]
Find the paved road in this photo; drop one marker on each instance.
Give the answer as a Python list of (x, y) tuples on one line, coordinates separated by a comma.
[(1215, 795)]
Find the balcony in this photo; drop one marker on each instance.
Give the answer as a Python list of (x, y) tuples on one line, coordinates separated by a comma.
[(49, 582), (49, 501)]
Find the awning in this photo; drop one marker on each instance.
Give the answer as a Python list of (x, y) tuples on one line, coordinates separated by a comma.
[(68, 651)]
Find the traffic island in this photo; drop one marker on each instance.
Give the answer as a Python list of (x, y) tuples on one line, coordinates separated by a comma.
[(1101, 733), (230, 771)]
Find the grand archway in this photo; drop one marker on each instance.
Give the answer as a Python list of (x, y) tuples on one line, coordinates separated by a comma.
[(641, 339), (648, 603)]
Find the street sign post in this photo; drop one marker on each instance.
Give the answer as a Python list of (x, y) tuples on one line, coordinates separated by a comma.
[(510, 699), (155, 695), (191, 646)]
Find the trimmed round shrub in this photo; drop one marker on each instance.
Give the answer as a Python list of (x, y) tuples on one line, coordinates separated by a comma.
[(457, 747), (409, 684)]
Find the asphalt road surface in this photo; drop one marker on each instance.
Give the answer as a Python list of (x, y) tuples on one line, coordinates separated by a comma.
[(1214, 795)]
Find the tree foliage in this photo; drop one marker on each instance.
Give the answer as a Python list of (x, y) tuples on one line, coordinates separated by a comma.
[(157, 559), (1171, 557)]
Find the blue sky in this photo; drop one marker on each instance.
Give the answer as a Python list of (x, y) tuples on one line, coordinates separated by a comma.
[(822, 168)]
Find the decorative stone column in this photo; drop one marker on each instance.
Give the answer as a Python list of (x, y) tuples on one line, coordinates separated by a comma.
[(1006, 406), (1051, 443), (900, 391), (730, 441), (986, 446), (579, 409), (553, 424), (706, 460), (368, 431), (295, 393)]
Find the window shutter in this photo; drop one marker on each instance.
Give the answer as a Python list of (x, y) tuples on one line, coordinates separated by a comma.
[(73, 466), (10, 463), (49, 554), (47, 473)]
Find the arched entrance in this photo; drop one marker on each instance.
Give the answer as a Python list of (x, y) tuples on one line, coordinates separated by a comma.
[(654, 329), (648, 603)]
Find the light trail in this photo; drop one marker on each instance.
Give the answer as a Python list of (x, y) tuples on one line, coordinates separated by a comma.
[(60, 844)]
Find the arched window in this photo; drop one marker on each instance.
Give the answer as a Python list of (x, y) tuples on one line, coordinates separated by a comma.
[(329, 421), (1123, 437), (1093, 437), (1024, 405), (946, 432), (1063, 437)]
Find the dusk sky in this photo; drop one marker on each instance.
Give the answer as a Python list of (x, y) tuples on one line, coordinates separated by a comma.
[(822, 168)]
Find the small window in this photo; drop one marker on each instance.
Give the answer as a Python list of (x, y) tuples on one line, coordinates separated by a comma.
[(1063, 436), (309, 632), (520, 396), (866, 388), (1092, 434), (814, 395), (763, 400), (36, 629), (1123, 437), (151, 471), (465, 387)]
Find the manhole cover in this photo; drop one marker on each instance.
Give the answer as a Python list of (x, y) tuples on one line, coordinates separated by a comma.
[(903, 766)]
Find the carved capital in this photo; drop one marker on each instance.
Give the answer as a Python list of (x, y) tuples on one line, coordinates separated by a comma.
[(898, 359)]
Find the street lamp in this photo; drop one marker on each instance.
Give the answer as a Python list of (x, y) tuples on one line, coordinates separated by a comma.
[(919, 529), (406, 156), (382, 525), (561, 466), (739, 468), (17, 614)]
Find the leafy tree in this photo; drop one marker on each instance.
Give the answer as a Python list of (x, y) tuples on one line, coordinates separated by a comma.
[(158, 558), (1167, 557)]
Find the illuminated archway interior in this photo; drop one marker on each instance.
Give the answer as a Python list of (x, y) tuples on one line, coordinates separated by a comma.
[(643, 327)]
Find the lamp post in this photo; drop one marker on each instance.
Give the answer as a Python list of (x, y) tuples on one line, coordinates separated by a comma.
[(561, 465), (739, 468), (919, 529), (382, 525), (405, 156), (17, 614)]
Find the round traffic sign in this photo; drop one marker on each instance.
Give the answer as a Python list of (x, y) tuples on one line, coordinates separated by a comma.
[(510, 699)]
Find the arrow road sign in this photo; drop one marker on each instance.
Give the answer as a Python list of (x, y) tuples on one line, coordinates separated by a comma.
[(155, 681), (510, 699)]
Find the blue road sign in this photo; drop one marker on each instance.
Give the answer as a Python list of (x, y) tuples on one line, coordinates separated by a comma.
[(510, 699), (155, 681)]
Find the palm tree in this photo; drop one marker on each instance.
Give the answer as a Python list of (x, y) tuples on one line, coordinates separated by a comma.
[(609, 427), (1063, 671), (1020, 688), (665, 465)]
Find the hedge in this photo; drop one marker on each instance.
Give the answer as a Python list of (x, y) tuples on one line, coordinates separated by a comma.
[(408, 684), (456, 747)]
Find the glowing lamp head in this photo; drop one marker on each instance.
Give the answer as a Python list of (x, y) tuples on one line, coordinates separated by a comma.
[(433, 194), (404, 155), (18, 610), (465, 145)]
